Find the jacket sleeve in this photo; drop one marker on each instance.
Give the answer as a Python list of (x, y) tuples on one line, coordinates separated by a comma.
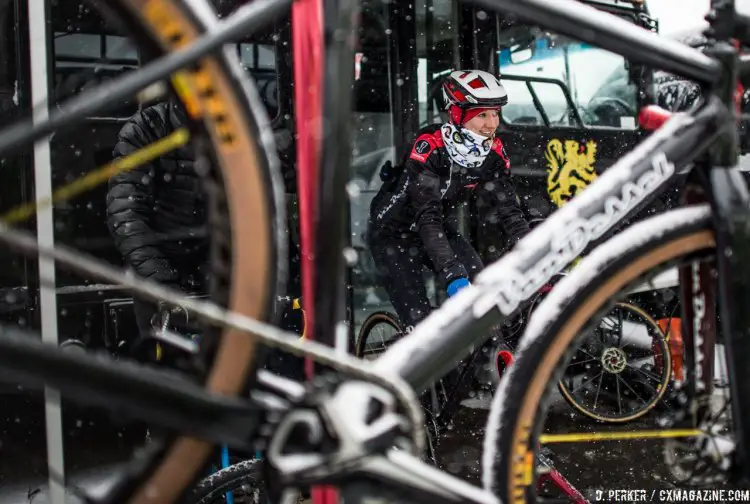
[(130, 205), (424, 194), (503, 199)]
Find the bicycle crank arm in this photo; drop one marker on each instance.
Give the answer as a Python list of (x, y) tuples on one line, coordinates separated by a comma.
[(402, 477), (421, 482)]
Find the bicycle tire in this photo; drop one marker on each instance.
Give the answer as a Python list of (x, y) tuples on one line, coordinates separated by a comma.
[(229, 479), (518, 408), (246, 227), (384, 317), (375, 318), (666, 373)]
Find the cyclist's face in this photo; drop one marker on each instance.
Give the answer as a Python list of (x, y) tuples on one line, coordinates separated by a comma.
[(484, 123)]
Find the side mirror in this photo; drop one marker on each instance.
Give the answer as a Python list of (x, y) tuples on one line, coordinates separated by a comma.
[(521, 55), (516, 54)]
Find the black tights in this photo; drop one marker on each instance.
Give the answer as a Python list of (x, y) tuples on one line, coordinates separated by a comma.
[(400, 265)]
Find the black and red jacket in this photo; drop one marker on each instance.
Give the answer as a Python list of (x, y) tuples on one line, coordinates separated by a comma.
[(415, 205)]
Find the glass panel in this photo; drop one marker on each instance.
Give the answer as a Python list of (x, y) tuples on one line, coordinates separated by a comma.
[(266, 57), (553, 101), (247, 55), (597, 80), (120, 48), (373, 118), (86, 53), (373, 146), (436, 37), (520, 108), (77, 45)]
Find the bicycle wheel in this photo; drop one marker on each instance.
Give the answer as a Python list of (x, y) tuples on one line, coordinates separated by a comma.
[(630, 335), (611, 356), (525, 397), (243, 479), (378, 330), (229, 133)]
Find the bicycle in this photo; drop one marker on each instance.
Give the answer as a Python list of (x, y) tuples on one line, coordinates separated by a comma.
[(243, 479), (648, 343), (361, 428)]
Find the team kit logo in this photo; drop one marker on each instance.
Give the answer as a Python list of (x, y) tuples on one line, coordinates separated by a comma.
[(570, 168), (422, 147), (421, 150)]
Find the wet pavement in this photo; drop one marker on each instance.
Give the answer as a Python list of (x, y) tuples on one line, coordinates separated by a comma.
[(589, 466), (95, 445)]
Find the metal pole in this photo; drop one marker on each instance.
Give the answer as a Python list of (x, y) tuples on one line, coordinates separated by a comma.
[(38, 18)]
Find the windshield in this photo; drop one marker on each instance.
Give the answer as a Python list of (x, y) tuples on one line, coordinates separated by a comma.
[(597, 80)]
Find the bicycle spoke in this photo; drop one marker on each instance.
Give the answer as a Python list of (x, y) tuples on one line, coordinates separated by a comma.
[(585, 382), (583, 362), (619, 397), (619, 378), (598, 388), (645, 373), (593, 357)]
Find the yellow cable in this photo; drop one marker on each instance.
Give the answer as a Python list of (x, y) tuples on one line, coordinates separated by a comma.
[(148, 153), (614, 436)]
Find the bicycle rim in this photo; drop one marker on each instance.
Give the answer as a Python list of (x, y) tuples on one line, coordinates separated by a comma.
[(369, 324), (232, 136), (244, 477), (509, 465), (662, 385)]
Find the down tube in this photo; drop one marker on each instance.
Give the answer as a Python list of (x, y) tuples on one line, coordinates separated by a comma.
[(451, 333)]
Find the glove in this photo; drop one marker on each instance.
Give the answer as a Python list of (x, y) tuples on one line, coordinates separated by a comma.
[(456, 285), (453, 272)]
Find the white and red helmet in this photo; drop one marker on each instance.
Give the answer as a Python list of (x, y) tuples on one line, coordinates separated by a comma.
[(472, 89)]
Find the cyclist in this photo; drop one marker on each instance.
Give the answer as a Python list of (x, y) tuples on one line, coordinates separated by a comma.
[(449, 163)]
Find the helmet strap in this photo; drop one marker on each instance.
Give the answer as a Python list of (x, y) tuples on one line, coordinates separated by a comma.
[(457, 115)]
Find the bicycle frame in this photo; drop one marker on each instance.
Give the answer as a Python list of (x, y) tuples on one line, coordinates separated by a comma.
[(450, 333)]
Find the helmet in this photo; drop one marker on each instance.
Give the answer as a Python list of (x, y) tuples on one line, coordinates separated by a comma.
[(473, 88)]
